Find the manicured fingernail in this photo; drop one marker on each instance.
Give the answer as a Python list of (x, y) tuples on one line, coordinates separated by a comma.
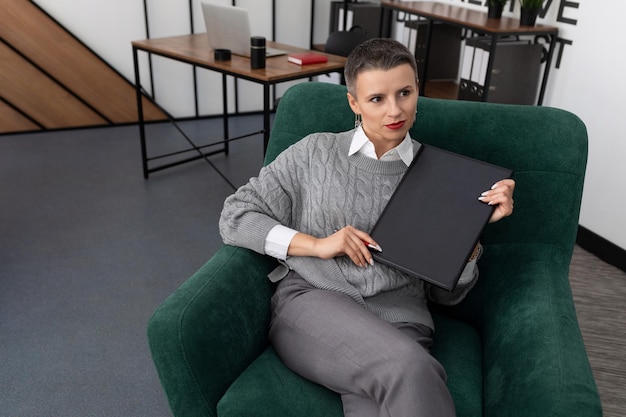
[(481, 198), (494, 186), (372, 261), (484, 193)]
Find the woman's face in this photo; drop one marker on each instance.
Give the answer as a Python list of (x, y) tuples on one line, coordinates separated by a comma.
[(386, 101)]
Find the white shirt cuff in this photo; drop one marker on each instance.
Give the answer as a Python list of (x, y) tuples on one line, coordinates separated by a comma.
[(278, 240), (471, 269), (469, 273)]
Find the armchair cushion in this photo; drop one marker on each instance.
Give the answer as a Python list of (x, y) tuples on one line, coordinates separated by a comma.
[(511, 348), (271, 387)]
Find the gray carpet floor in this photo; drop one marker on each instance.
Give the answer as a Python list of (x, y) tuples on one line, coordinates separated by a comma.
[(600, 296), (88, 250)]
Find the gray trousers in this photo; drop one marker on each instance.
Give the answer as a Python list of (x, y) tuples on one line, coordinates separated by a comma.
[(378, 368)]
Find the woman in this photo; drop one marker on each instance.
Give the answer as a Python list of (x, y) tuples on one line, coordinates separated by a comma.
[(357, 327)]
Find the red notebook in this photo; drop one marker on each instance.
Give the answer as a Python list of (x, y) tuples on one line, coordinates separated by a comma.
[(307, 58)]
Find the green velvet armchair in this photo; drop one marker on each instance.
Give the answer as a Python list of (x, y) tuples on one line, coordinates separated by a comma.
[(513, 348)]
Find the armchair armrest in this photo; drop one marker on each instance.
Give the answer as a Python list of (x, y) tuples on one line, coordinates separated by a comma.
[(211, 328), (534, 357)]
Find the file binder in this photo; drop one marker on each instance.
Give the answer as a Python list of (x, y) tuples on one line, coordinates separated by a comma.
[(515, 72), (434, 219), (475, 87), (466, 71)]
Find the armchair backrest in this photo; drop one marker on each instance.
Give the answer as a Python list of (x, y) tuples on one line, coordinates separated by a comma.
[(546, 148)]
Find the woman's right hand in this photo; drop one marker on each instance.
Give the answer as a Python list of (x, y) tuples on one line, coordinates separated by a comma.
[(348, 241)]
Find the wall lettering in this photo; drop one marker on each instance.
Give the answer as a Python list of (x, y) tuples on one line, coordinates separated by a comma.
[(561, 18), (560, 47), (562, 7)]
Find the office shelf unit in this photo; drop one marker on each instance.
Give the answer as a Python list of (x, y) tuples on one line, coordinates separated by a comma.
[(510, 71)]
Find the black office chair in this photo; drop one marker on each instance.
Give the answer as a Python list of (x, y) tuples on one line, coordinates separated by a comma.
[(343, 42)]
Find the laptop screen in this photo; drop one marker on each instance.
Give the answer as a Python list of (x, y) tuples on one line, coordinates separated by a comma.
[(228, 27)]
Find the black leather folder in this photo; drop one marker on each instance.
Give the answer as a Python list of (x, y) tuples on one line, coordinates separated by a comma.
[(434, 219)]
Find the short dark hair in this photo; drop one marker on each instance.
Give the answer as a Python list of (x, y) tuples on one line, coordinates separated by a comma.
[(378, 53)]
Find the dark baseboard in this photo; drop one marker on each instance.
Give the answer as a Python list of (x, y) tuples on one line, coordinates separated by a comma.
[(602, 248)]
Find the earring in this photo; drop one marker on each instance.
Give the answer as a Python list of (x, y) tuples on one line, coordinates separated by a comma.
[(414, 118), (358, 121)]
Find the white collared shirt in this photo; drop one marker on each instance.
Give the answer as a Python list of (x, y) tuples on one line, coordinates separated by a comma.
[(361, 143), (278, 239)]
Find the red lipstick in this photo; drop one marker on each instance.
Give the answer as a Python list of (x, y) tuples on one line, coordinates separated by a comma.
[(395, 126)]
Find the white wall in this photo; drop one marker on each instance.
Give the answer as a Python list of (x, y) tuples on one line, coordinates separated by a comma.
[(589, 81), (591, 84)]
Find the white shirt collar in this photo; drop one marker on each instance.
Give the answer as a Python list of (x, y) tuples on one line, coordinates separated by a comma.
[(360, 143)]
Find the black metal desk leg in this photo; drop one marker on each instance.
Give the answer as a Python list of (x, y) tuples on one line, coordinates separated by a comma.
[(266, 116), (424, 77), (140, 121), (225, 117), (490, 60), (546, 70)]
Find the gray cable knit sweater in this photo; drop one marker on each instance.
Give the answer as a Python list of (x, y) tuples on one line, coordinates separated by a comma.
[(316, 188)]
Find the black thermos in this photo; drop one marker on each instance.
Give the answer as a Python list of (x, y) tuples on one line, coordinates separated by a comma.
[(257, 52)]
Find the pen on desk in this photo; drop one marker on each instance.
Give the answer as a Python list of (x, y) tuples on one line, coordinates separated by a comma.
[(372, 246)]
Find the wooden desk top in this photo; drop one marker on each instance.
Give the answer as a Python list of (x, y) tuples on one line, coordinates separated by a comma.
[(465, 17), (194, 49)]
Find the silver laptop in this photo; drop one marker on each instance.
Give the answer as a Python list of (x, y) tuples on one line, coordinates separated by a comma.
[(228, 27)]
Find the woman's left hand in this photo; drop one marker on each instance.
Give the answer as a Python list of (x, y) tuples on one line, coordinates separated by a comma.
[(500, 196)]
